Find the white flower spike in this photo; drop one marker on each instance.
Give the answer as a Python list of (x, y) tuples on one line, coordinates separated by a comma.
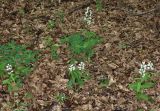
[(88, 16), (144, 67), (81, 66), (72, 67), (9, 69)]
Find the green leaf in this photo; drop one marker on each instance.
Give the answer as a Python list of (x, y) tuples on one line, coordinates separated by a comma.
[(104, 82), (142, 96), (99, 5), (135, 86), (51, 24), (138, 87), (146, 77), (89, 34), (6, 82), (70, 84), (90, 43), (147, 85), (2, 69)]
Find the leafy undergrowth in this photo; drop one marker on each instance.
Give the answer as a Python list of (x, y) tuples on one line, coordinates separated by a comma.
[(89, 60), (16, 63)]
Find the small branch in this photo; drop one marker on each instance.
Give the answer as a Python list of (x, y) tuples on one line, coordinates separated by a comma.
[(157, 8), (144, 13), (84, 5)]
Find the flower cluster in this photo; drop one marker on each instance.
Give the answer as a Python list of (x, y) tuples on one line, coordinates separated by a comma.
[(144, 67), (9, 69), (72, 67), (88, 16), (80, 66)]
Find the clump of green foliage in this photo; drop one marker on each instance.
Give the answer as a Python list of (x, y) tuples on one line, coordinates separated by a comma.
[(104, 82), (140, 85), (81, 44), (60, 97), (77, 78), (20, 59), (48, 41), (51, 24)]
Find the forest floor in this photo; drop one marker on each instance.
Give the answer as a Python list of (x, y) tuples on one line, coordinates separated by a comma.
[(129, 38)]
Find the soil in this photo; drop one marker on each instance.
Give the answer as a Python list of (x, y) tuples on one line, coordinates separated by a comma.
[(130, 33)]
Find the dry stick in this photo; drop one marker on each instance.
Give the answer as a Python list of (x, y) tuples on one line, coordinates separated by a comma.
[(84, 5), (143, 13), (157, 8), (89, 2)]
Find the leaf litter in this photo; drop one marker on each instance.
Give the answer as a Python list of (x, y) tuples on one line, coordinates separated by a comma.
[(127, 40)]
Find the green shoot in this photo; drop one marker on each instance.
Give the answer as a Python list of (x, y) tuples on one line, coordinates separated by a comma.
[(99, 5), (51, 24), (60, 97)]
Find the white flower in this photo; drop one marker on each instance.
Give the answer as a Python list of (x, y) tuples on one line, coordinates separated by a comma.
[(88, 16), (150, 66), (144, 67), (9, 68), (81, 66), (72, 67)]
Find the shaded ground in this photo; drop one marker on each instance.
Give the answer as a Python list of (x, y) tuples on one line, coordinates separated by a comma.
[(128, 39)]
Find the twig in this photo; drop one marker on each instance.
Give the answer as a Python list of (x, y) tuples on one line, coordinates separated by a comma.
[(84, 5), (143, 13), (157, 8)]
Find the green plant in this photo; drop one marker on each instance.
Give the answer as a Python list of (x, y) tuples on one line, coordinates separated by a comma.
[(15, 63), (60, 97), (140, 85), (48, 42), (51, 24), (99, 5), (77, 75), (54, 53), (104, 82), (77, 78), (81, 44)]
